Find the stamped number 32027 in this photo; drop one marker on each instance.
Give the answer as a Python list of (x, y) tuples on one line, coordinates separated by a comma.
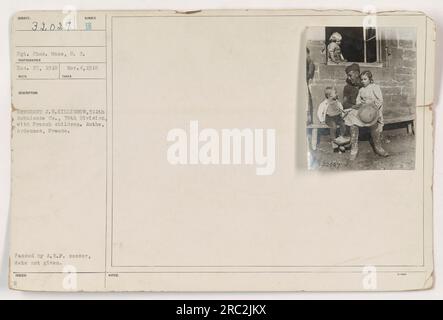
[(43, 26)]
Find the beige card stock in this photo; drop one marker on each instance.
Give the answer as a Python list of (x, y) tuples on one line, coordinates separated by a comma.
[(185, 151)]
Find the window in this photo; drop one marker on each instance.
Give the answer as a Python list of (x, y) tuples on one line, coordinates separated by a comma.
[(358, 44)]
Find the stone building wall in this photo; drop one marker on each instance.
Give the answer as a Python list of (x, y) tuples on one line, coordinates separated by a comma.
[(396, 75)]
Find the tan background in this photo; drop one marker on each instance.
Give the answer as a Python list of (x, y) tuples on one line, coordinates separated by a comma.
[(153, 214)]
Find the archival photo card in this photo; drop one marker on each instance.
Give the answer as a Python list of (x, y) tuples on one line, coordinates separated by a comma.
[(167, 151)]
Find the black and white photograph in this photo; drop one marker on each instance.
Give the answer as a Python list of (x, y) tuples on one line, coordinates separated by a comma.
[(361, 84)]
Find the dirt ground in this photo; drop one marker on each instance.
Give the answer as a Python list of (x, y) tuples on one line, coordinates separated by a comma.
[(398, 143)]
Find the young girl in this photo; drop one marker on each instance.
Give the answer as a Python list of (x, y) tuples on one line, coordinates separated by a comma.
[(334, 50), (369, 94)]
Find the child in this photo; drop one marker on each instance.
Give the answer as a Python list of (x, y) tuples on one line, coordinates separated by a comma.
[(330, 111), (369, 95), (334, 50)]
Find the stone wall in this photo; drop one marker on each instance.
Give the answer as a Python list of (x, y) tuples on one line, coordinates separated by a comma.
[(396, 75)]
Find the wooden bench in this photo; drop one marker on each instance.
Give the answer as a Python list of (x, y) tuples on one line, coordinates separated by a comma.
[(408, 119)]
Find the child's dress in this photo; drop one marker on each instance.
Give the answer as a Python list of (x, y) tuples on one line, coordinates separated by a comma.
[(334, 53), (369, 94)]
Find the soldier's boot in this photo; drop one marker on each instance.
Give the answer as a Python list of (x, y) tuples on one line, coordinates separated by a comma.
[(376, 140)]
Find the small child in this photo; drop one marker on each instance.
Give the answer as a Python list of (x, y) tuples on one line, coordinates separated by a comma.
[(371, 93), (330, 111), (334, 50)]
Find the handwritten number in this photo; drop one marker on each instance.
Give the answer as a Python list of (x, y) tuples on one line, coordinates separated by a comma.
[(42, 26)]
